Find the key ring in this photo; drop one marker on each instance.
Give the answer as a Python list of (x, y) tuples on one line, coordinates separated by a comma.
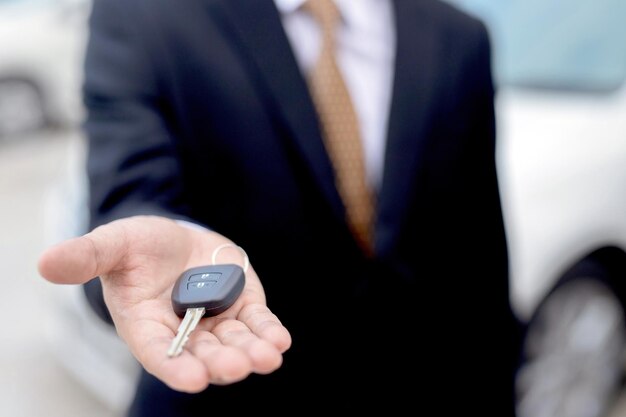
[(246, 261)]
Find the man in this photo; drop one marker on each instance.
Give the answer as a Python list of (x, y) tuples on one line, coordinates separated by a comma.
[(206, 127)]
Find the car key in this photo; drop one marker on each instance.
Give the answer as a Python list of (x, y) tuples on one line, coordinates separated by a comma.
[(203, 291)]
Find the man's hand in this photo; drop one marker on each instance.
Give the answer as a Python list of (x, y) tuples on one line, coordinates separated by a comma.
[(138, 260)]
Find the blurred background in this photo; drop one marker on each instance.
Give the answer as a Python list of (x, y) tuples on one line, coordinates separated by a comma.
[(56, 358), (559, 68)]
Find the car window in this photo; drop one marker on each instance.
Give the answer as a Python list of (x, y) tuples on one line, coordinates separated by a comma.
[(556, 44)]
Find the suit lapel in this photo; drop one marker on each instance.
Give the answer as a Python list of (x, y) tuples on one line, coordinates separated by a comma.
[(408, 119), (256, 25)]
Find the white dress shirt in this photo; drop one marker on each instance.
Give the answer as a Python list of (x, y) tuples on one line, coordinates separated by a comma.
[(365, 55)]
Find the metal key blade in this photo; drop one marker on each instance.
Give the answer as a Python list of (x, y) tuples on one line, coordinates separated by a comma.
[(189, 323)]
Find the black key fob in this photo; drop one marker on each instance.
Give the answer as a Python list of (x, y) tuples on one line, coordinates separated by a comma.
[(213, 287)]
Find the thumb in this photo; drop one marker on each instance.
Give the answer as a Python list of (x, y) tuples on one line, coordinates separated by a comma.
[(77, 260)]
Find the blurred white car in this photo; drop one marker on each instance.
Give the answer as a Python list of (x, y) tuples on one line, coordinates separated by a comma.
[(41, 50), (563, 164), (560, 71)]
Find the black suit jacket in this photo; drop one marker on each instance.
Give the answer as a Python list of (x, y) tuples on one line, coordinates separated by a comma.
[(197, 110)]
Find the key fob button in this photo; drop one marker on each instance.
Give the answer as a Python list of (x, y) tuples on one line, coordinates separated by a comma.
[(207, 276), (200, 285)]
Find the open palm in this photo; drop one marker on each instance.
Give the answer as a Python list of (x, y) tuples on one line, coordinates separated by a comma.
[(138, 260)]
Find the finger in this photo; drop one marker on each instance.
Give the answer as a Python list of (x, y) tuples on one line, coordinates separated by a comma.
[(264, 356), (149, 343), (224, 364), (263, 323), (185, 373), (80, 259)]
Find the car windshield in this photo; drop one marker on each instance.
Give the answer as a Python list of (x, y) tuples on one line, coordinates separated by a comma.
[(556, 44)]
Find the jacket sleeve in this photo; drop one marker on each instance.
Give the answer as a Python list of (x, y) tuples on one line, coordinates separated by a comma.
[(132, 161)]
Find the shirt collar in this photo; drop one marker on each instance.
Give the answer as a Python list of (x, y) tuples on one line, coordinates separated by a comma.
[(351, 10), (288, 6)]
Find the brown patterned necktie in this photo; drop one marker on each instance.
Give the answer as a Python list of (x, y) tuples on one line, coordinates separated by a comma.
[(340, 127)]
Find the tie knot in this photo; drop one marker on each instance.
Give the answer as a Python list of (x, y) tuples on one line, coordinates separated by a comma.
[(324, 11)]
